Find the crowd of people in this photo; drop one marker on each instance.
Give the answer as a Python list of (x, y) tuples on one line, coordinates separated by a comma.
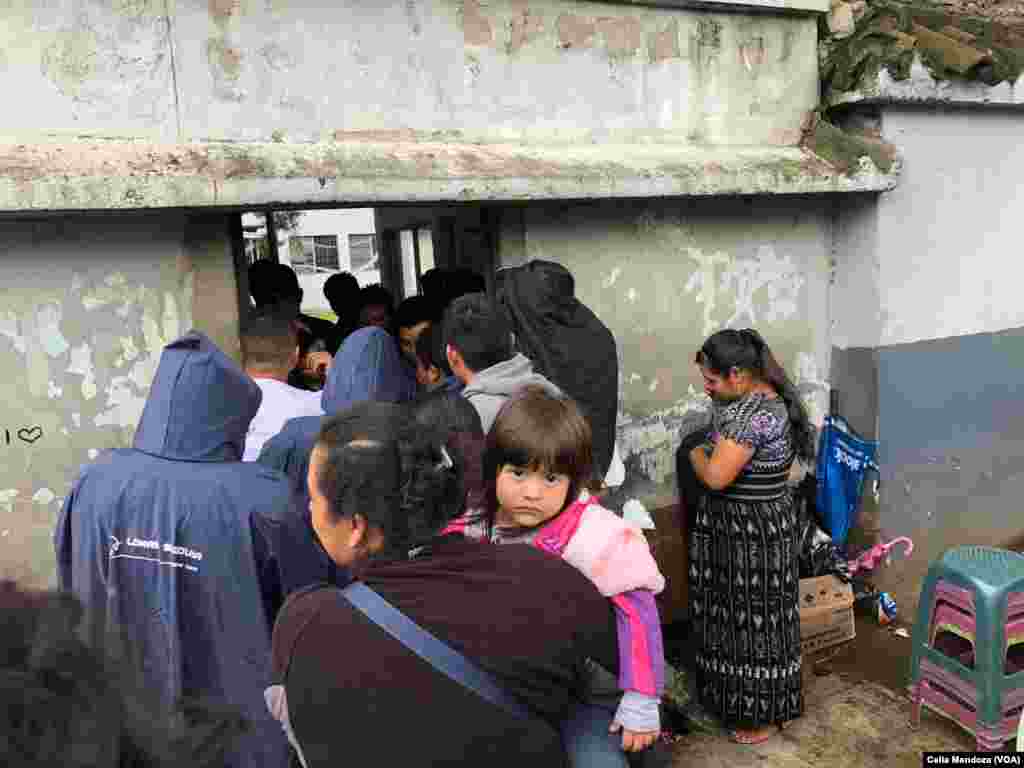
[(383, 539)]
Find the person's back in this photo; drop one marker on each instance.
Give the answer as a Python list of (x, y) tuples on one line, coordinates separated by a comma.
[(157, 541), (525, 617), (480, 353), (271, 350), (272, 283), (342, 292), (567, 343), (368, 367)]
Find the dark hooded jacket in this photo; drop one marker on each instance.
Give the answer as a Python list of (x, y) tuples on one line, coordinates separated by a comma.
[(158, 541), (567, 343), (369, 366)]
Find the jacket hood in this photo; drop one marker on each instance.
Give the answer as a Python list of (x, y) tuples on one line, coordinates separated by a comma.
[(567, 343), (506, 378), (199, 405), (368, 367), (543, 292)]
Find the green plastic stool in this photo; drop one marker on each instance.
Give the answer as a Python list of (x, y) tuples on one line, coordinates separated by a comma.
[(992, 576)]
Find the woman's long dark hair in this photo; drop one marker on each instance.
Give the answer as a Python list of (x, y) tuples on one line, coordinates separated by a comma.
[(392, 466), (747, 351)]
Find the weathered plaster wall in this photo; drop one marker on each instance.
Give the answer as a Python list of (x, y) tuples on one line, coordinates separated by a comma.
[(957, 271), (664, 276), (939, 258), (531, 70), (86, 305)]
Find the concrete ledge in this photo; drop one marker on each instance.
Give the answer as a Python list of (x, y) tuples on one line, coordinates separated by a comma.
[(922, 88), (123, 175)]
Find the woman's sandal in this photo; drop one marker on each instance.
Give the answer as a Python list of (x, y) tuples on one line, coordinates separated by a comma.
[(758, 736)]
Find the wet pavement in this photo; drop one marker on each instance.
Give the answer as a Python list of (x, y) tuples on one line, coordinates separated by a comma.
[(857, 713)]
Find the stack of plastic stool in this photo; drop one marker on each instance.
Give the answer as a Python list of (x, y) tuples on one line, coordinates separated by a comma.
[(976, 593)]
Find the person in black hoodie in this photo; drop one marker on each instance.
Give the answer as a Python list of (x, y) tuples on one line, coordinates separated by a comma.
[(160, 543), (567, 343)]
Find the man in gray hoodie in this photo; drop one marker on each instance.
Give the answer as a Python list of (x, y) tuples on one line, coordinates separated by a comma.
[(480, 352)]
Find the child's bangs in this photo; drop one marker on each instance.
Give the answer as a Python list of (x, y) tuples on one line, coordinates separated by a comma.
[(550, 444), (549, 454)]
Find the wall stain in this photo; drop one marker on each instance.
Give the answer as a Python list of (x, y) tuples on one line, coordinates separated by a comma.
[(71, 59), (221, 11), (476, 29), (575, 31), (623, 37), (412, 14), (224, 60), (277, 57), (524, 27), (752, 54), (664, 45)]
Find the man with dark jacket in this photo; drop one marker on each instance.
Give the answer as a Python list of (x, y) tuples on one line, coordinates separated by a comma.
[(480, 354), (161, 543)]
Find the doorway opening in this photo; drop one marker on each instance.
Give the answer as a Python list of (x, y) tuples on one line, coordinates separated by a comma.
[(393, 246)]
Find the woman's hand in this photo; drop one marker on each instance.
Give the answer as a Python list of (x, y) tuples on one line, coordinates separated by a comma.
[(723, 466), (634, 741)]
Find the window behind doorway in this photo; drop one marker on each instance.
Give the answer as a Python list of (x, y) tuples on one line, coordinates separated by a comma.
[(317, 253), (362, 251)]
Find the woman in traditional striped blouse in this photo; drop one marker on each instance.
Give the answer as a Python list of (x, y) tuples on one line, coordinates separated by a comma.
[(743, 549)]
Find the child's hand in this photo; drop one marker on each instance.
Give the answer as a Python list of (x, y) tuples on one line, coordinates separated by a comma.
[(634, 741), (317, 363)]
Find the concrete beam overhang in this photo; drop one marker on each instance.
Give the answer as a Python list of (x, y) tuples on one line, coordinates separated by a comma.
[(126, 174)]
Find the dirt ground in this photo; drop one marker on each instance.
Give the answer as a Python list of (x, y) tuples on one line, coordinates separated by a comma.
[(857, 713)]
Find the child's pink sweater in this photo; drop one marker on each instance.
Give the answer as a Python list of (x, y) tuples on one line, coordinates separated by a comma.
[(615, 556)]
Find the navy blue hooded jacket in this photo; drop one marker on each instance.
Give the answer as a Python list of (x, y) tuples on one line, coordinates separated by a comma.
[(159, 542), (369, 366)]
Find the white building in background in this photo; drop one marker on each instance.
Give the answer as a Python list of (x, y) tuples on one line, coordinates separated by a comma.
[(322, 243)]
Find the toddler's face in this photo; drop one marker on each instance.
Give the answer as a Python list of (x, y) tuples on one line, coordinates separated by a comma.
[(528, 497)]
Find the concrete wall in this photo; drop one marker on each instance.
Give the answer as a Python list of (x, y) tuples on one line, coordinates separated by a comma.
[(447, 69), (663, 276), (928, 309), (87, 305)]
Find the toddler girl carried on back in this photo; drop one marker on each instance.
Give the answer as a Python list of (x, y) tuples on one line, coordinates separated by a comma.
[(537, 466)]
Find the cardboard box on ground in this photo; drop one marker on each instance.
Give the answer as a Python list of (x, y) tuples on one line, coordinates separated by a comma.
[(826, 613)]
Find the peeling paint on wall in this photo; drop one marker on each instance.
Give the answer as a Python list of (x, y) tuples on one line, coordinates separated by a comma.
[(81, 341), (703, 282), (43, 496), (777, 277), (665, 276), (813, 387), (9, 328), (653, 440), (81, 365)]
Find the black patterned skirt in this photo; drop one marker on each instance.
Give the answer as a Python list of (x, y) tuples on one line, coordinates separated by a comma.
[(744, 597)]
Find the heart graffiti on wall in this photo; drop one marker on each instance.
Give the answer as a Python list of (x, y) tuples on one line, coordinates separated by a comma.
[(25, 434)]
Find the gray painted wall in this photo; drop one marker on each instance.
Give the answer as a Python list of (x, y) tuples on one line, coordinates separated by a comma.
[(87, 305), (504, 70), (927, 322), (665, 275)]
